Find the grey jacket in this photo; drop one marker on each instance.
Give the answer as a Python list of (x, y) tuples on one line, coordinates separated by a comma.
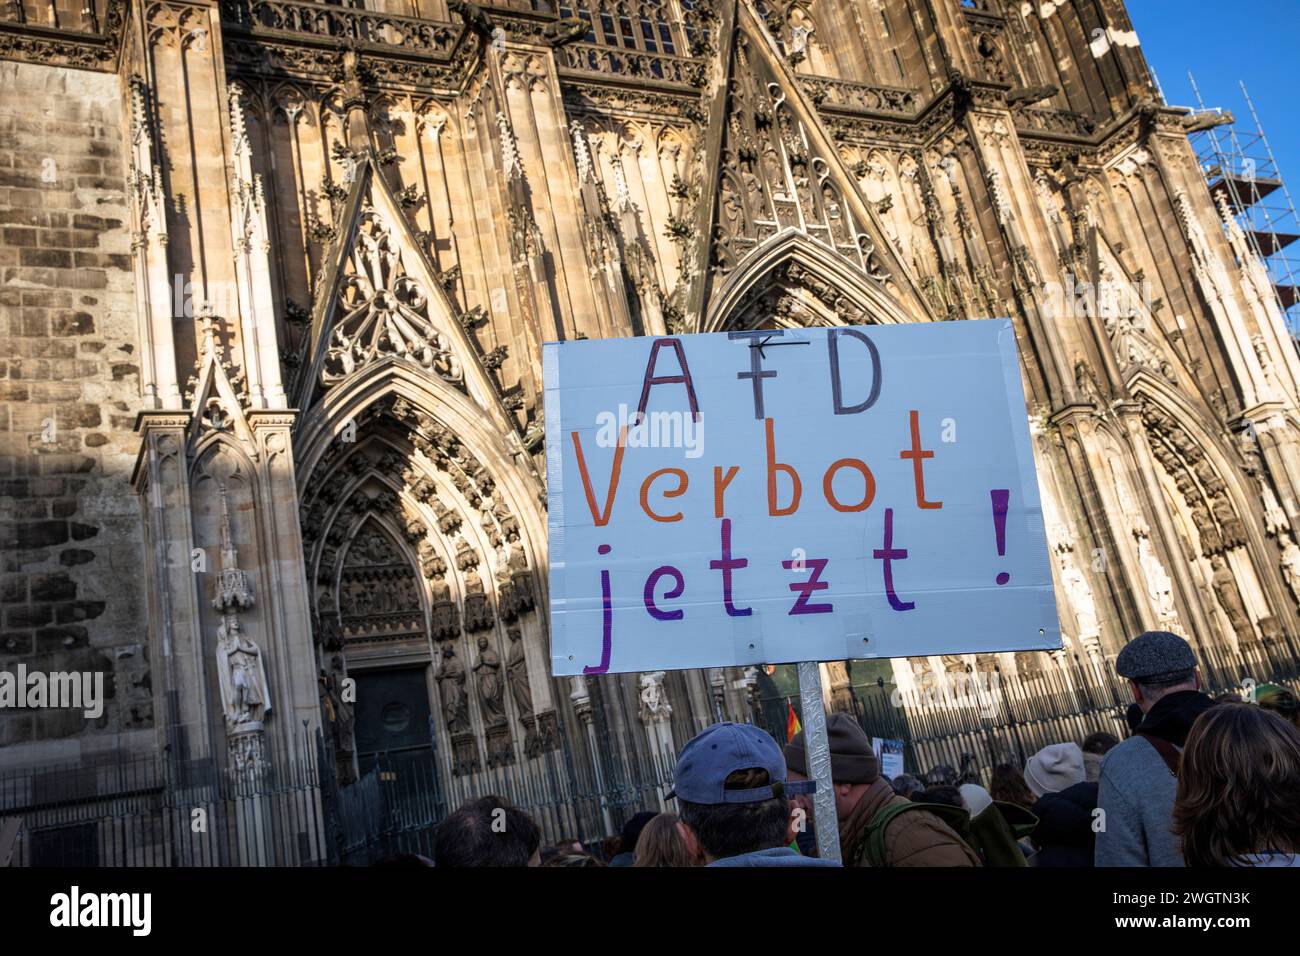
[(1136, 791)]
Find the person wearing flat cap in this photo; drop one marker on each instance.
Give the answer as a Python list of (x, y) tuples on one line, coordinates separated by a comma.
[(733, 810), (914, 838), (1138, 781)]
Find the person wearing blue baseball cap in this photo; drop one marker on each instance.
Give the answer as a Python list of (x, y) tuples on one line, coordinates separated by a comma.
[(734, 808)]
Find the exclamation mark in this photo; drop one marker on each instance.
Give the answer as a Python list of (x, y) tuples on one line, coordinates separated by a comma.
[(1000, 497)]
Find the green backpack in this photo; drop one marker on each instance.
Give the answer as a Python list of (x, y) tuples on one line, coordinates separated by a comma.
[(993, 840), (872, 848)]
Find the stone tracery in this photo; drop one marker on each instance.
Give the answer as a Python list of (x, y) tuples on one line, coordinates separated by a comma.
[(383, 310)]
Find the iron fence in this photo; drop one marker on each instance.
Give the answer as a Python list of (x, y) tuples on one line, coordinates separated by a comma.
[(975, 720), (397, 805), (153, 811), (146, 810)]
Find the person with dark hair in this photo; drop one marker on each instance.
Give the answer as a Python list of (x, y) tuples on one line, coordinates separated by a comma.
[(489, 831), (1095, 746), (661, 844), (546, 854), (1237, 784), (878, 827), (941, 775), (627, 839), (1008, 786), (1280, 700), (1135, 791), (560, 847), (905, 785), (945, 794), (1064, 836), (609, 847), (402, 861), (567, 857), (730, 785)]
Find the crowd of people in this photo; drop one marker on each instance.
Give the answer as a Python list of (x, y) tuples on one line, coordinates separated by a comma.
[(1199, 782)]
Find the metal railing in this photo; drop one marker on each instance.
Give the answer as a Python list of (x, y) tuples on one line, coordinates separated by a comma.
[(149, 811), (144, 810), (975, 720)]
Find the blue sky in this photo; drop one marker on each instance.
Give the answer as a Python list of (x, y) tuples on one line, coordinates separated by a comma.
[(1254, 41)]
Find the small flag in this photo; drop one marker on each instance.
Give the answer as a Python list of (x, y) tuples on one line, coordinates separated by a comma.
[(792, 725)]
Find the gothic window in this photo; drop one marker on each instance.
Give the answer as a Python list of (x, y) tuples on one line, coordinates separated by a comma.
[(647, 26), (648, 34), (688, 9), (625, 31), (666, 36)]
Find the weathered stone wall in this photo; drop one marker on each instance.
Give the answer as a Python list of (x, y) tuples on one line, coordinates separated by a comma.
[(71, 584)]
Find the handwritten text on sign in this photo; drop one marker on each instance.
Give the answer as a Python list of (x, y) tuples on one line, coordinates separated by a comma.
[(815, 494)]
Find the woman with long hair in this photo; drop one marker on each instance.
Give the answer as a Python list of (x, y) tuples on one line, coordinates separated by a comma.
[(661, 845), (1238, 778), (1008, 785)]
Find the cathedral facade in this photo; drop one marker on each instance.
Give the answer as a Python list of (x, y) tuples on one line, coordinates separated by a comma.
[(275, 276)]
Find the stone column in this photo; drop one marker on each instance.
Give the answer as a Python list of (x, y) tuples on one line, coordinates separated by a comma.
[(581, 699)]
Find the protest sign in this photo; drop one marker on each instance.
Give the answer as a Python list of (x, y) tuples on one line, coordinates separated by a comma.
[(890, 754), (799, 495)]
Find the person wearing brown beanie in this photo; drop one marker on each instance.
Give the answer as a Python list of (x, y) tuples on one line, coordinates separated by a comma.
[(913, 838)]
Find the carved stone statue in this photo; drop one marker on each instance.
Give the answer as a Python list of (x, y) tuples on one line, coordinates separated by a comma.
[(1029, 664), (837, 674), (1129, 507), (1225, 589), (242, 675), (1086, 626), (1086, 381), (517, 674), (580, 696), (329, 633), (451, 688), (1159, 586), (522, 579), (342, 725), (1291, 564), (922, 672), (1275, 519), (654, 702), (491, 691), (1234, 531)]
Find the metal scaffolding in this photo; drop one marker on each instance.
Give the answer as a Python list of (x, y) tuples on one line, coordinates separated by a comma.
[(1240, 168)]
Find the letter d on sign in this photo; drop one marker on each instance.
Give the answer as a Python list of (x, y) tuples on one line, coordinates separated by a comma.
[(837, 388)]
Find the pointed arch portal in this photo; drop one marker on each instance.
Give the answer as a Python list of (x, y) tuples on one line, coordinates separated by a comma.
[(423, 529)]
